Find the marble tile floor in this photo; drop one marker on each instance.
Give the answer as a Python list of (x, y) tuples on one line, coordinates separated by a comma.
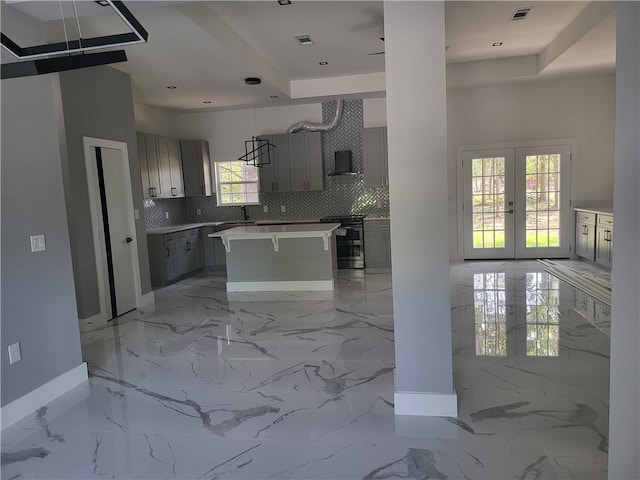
[(300, 386)]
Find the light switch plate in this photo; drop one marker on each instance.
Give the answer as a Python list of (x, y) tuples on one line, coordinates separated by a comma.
[(198, 212), (14, 353), (37, 243), (283, 208), (166, 214), (265, 208)]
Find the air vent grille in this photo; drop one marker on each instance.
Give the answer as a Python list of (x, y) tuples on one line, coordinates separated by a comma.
[(304, 39), (520, 14)]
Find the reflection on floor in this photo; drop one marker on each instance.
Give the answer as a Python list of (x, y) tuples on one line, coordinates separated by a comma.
[(301, 386)]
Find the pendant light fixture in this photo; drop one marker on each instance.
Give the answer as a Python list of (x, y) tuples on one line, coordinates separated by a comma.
[(257, 150)]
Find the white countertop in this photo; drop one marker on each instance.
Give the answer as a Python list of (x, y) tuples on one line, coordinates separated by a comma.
[(608, 211), (188, 226), (282, 231), (277, 232)]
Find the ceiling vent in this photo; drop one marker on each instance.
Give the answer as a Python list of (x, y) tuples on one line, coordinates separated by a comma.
[(520, 14), (304, 39)]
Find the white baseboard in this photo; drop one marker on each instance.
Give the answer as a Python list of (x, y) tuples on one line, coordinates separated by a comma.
[(426, 404), (281, 286), (92, 323), (40, 396), (147, 302)]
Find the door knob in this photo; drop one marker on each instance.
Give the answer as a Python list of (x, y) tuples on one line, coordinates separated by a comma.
[(509, 211), (129, 239)]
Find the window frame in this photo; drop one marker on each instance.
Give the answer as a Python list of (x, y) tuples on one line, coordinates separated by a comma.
[(219, 183)]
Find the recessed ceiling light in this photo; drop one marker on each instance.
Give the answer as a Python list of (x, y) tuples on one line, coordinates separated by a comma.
[(172, 87), (304, 39), (273, 96), (323, 63), (284, 2), (207, 101), (496, 44)]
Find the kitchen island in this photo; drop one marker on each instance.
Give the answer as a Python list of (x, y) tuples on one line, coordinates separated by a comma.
[(280, 257)]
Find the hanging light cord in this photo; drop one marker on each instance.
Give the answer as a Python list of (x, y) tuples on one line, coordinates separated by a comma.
[(64, 26), (75, 11), (255, 115)]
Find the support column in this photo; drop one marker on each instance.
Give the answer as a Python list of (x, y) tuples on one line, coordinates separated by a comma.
[(624, 418), (417, 145)]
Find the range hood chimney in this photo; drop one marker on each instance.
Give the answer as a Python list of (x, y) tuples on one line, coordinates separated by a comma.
[(343, 163)]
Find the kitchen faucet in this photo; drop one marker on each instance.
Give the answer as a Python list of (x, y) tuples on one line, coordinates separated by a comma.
[(244, 212)]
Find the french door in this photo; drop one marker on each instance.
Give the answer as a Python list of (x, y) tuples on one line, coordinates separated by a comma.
[(516, 202)]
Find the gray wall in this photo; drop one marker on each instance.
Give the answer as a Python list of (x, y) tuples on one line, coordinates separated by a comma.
[(98, 103), (417, 136), (624, 424), (38, 300)]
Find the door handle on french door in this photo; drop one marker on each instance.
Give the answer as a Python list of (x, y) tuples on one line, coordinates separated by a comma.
[(509, 211), (129, 239)]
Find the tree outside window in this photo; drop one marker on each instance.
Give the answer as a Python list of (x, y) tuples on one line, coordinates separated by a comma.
[(236, 183)]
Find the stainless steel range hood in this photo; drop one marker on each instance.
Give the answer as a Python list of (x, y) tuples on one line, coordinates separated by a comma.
[(343, 163)]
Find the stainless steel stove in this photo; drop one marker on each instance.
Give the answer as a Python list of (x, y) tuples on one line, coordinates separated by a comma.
[(350, 246)]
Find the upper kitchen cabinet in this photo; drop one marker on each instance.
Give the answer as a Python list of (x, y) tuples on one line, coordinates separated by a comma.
[(376, 164), (149, 165), (305, 161), (170, 167), (276, 175), (160, 166), (196, 168)]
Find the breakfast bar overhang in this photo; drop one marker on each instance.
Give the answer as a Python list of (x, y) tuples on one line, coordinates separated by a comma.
[(296, 257)]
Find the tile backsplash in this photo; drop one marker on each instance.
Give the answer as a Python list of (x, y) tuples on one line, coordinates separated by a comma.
[(341, 194)]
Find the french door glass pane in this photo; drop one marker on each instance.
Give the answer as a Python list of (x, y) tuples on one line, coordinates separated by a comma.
[(487, 184), (542, 201)]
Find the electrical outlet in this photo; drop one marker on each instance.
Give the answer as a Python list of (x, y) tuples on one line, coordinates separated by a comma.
[(37, 243), (14, 353), (198, 212), (166, 215), (283, 208), (265, 209)]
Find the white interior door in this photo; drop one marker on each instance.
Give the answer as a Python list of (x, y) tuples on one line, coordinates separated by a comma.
[(113, 224), (121, 233), (516, 202)]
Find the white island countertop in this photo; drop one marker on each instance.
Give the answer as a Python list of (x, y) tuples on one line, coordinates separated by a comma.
[(276, 232)]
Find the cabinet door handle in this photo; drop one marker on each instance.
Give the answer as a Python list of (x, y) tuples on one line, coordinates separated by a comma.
[(168, 253), (188, 246), (202, 189)]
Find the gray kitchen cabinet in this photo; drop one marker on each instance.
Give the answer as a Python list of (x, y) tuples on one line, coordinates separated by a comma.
[(604, 240), (305, 161), (170, 167), (215, 256), (196, 166), (377, 243), (376, 162), (149, 165), (174, 255), (585, 235), (276, 175)]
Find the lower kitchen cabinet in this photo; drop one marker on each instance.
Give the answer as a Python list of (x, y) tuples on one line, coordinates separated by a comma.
[(586, 235), (174, 255), (594, 236), (604, 240), (215, 256), (377, 243)]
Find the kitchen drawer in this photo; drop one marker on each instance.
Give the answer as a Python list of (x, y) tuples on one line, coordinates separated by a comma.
[(180, 236), (605, 220), (169, 238), (585, 217), (195, 233)]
